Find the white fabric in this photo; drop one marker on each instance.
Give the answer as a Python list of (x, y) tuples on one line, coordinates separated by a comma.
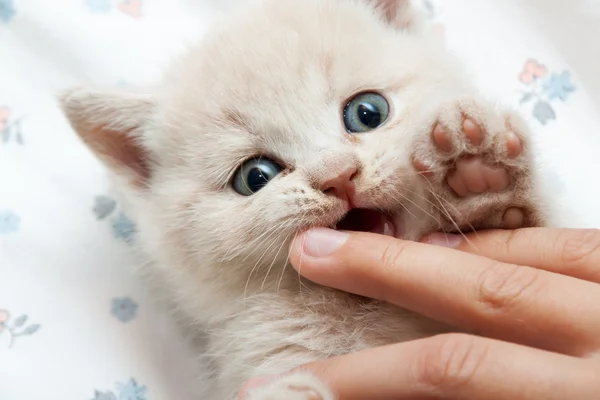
[(92, 330)]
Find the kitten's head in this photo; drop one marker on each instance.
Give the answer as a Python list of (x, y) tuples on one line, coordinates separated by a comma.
[(286, 116)]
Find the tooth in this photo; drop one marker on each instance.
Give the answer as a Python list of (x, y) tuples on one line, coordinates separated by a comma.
[(388, 229)]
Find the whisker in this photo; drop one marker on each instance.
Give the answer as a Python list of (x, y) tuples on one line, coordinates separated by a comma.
[(418, 206), (425, 199), (257, 263), (273, 262), (254, 241), (449, 216), (285, 264), (404, 207)]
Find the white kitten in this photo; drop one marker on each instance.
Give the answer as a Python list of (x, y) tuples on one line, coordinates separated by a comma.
[(287, 115)]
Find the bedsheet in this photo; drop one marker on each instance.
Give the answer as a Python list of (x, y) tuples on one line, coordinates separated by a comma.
[(75, 323)]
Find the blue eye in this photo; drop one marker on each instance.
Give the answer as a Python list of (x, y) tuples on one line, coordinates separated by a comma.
[(365, 112), (254, 174)]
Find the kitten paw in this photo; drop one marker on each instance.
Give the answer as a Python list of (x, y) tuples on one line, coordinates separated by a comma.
[(471, 173), (478, 168), (297, 386)]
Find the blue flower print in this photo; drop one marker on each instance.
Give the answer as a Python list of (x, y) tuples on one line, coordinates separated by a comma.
[(125, 391), (104, 206), (104, 396), (133, 8), (124, 309), (10, 128), (7, 10), (9, 222), (544, 112), (542, 88), (16, 327), (123, 228), (98, 5), (559, 86), (131, 391)]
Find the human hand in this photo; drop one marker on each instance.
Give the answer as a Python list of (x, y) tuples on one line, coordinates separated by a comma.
[(532, 294)]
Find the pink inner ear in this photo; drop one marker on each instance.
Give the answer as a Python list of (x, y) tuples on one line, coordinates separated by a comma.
[(397, 12), (389, 8), (121, 151)]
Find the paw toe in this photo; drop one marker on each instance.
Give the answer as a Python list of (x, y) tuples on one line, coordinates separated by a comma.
[(513, 218), (514, 146), (422, 167), (473, 132), (442, 139)]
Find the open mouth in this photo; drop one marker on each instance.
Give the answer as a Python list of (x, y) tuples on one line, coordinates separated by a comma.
[(365, 220)]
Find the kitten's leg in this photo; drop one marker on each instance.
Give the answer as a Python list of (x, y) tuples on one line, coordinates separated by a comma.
[(479, 169), (296, 386)]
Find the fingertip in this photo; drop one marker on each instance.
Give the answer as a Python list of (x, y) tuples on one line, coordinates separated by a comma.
[(318, 243), (348, 261)]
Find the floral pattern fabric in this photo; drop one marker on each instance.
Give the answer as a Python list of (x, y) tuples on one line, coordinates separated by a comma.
[(70, 304), (7, 10), (543, 87), (13, 329)]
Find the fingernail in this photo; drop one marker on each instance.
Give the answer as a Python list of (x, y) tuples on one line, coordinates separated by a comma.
[(321, 242), (444, 240), (256, 383)]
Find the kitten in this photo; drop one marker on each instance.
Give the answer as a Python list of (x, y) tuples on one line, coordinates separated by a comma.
[(294, 114)]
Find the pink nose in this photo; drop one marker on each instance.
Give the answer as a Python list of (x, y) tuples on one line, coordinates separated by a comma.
[(341, 185)]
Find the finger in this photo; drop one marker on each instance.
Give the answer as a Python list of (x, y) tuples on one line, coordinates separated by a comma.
[(455, 367), (480, 295), (573, 252)]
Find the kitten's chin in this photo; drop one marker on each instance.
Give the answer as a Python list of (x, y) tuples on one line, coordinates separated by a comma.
[(365, 220)]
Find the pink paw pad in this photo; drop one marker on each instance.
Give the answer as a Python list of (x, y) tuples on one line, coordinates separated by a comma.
[(474, 158), (471, 174)]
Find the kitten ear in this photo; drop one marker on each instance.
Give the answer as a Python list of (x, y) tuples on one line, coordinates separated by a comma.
[(111, 124), (399, 13)]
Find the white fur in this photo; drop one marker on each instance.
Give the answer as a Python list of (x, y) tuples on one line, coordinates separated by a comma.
[(272, 79)]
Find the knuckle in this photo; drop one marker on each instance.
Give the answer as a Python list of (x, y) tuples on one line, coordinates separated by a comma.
[(596, 379), (391, 260), (449, 362), (391, 256), (503, 286), (512, 237), (579, 246), (589, 378)]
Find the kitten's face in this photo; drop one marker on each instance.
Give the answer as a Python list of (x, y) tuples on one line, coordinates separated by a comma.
[(286, 118), (264, 100)]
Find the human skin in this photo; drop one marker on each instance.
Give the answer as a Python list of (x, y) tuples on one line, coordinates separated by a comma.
[(532, 296)]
